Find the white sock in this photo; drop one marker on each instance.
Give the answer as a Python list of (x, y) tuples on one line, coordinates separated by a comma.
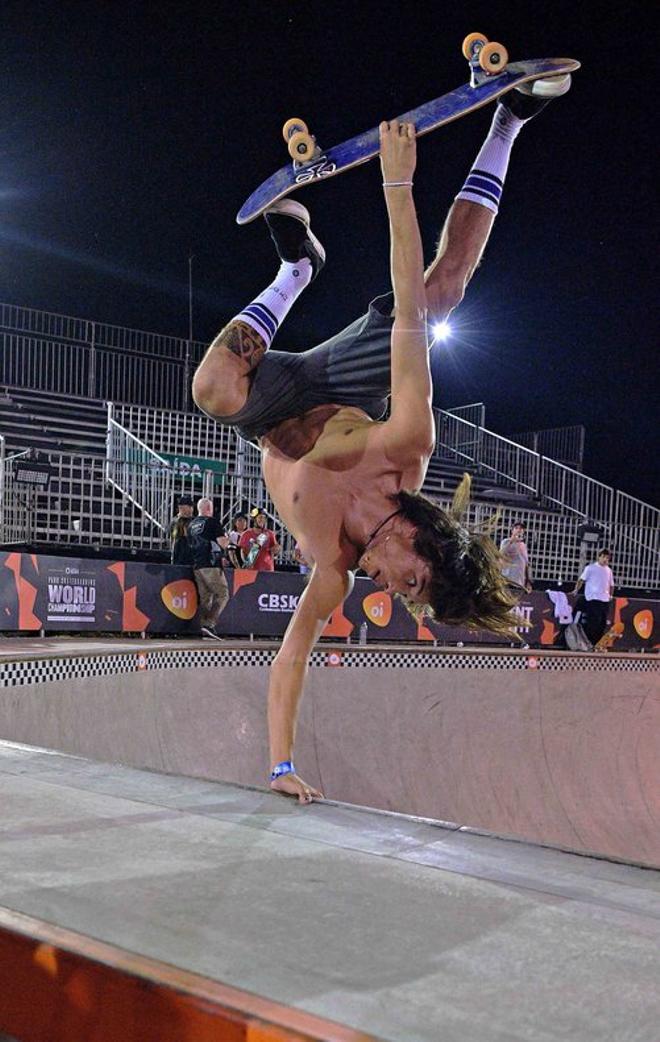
[(486, 178), (271, 307)]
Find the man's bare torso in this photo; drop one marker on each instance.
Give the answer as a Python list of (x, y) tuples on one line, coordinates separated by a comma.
[(323, 470)]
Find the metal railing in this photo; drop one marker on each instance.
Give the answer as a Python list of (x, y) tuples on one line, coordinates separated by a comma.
[(563, 444), (474, 413), (568, 490), (509, 465), (630, 525), (457, 439), (45, 365), (78, 506), (51, 352), (140, 474), (635, 538), (13, 508), (554, 541), (100, 334), (177, 432), (193, 435), (2, 484), (149, 481)]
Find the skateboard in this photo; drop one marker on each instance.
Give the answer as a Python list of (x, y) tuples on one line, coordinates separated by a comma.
[(253, 552), (491, 76), (608, 638)]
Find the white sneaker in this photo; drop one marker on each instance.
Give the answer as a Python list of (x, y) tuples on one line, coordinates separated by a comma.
[(549, 87), (530, 98)]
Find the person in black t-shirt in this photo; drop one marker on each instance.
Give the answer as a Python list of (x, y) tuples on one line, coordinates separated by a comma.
[(204, 532), (181, 550)]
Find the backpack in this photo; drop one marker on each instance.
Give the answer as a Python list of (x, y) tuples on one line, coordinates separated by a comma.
[(576, 639)]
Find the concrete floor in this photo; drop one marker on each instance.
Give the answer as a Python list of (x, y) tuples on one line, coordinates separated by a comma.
[(384, 923)]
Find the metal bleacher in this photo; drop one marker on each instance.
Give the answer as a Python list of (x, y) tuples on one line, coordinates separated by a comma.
[(51, 422)]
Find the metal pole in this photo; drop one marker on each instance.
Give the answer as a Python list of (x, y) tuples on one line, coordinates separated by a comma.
[(185, 401), (190, 299), (91, 373)]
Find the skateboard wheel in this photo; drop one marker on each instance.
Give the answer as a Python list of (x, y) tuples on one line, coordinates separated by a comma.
[(301, 146), (294, 126), (471, 43), (493, 57)]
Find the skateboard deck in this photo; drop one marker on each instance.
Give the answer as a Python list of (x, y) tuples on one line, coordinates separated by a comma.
[(608, 638), (363, 147)]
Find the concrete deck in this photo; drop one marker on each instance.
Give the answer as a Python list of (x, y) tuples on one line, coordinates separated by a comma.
[(393, 926)]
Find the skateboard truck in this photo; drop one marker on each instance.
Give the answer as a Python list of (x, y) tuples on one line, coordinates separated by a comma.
[(486, 59), (309, 161), (300, 143)]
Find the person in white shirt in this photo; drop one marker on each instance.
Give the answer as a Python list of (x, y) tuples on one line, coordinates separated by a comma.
[(598, 586), (233, 552)]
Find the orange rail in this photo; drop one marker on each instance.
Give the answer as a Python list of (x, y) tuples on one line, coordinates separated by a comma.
[(60, 986)]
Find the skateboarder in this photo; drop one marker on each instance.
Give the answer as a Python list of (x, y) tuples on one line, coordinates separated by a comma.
[(345, 485)]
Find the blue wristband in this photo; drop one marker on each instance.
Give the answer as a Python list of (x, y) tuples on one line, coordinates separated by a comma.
[(286, 767)]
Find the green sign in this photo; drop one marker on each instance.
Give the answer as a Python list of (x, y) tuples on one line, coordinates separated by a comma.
[(194, 466)]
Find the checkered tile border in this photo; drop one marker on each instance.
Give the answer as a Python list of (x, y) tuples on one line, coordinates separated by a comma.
[(15, 674)]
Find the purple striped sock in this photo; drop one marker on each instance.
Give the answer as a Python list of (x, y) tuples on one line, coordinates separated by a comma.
[(271, 307), (485, 181)]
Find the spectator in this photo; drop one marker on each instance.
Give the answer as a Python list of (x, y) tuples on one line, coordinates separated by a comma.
[(205, 532), (515, 566), (598, 584), (303, 565), (259, 544), (234, 552), (181, 550)]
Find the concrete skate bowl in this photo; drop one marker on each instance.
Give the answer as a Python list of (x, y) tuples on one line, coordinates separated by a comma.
[(553, 748)]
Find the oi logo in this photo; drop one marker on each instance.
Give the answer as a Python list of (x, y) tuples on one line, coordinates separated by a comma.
[(180, 598), (378, 608)]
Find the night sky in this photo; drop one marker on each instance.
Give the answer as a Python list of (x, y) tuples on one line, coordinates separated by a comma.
[(130, 134)]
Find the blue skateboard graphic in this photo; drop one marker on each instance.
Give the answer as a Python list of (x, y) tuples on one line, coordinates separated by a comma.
[(491, 77)]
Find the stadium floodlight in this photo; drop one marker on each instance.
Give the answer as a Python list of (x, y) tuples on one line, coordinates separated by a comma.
[(441, 330)]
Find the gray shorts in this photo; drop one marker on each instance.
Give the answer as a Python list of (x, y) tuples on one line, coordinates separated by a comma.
[(352, 368)]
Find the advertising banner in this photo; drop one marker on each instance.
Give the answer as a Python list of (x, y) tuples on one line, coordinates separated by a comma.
[(60, 594), (262, 604), (85, 595)]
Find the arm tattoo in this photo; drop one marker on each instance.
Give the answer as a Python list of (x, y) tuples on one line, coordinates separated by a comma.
[(244, 342)]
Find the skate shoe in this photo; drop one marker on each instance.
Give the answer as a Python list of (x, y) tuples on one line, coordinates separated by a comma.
[(211, 632), (288, 222), (529, 99)]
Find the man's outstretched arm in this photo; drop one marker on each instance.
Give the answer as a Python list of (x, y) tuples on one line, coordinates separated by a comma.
[(326, 590), (409, 432)]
